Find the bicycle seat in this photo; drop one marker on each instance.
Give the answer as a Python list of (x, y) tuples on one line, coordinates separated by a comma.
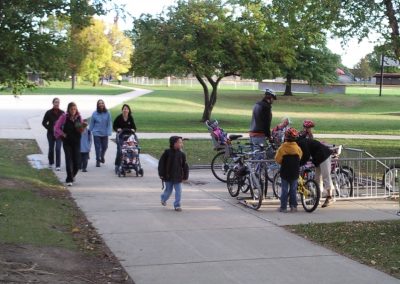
[(235, 137)]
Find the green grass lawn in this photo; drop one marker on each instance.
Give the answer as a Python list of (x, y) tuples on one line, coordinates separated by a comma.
[(31, 211), (64, 88), (372, 243), (180, 110)]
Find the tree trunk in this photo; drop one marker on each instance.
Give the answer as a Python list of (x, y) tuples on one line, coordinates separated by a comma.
[(288, 88), (206, 111), (73, 78), (213, 98), (394, 26)]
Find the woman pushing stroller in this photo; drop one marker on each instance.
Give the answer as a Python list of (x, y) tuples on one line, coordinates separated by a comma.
[(123, 121)]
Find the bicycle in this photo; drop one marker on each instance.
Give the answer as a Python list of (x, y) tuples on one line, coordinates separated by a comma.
[(308, 190), (243, 177), (342, 176), (222, 161)]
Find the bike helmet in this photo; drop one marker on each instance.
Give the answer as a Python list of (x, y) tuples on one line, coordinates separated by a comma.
[(291, 134), (308, 124), (269, 92)]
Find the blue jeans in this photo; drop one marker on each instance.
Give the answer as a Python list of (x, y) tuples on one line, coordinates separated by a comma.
[(57, 143), (257, 141), (169, 185), (292, 193), (100, 145)]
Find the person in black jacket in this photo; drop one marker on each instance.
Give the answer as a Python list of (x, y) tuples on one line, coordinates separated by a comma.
[(321, 158), (260, 126), (49, 119), (123, 121), (173, 169)]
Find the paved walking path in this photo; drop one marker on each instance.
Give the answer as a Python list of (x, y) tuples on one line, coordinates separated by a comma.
[(214, 239)]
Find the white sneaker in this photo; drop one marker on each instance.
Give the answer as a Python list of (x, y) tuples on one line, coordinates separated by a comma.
[(69, 183), (58, 169)]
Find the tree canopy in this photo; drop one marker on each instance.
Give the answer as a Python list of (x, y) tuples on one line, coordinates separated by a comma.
[(26, 46), (361, 18)]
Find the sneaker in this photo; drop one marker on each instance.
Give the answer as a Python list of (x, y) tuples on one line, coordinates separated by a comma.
[(84, 170), (50, 166), (328, 201), (179, 209), (98, 164), (102, 160), (282, 210), (163, 203), (69, 183), (58, 169), (293, 209)]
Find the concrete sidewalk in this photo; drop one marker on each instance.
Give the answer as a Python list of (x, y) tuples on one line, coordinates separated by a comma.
[(214, 239)]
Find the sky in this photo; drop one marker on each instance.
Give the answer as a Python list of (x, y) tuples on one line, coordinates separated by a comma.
[(350, 53)]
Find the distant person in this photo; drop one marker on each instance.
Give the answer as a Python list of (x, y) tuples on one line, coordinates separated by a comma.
[(100, 126), (69, 128), (321, 158), (123, 121), (278, 132), (173, 170), (86, 145), (260, 127), (307, 129), (288, 156), (49, 119)]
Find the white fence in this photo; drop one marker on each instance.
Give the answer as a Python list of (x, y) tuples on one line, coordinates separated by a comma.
[(193, 83)]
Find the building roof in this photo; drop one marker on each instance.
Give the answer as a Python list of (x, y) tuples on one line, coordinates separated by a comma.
[(387, 75)]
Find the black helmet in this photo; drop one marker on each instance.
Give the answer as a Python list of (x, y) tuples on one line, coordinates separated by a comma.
[(269, 92)]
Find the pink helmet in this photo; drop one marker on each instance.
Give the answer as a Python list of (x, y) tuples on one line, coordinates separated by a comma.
[(308, 124)]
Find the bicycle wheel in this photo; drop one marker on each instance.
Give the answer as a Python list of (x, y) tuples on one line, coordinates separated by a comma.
[(310, 195), (232, 183), (272, 169), (343, 181), (277, 185), (256, 192), (391, 179), (346, 179), (220, 165)]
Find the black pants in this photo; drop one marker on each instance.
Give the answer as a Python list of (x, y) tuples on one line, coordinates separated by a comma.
[(72, 159), (57, 143)]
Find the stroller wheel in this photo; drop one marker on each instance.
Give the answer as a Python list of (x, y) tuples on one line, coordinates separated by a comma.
[(141, 172)]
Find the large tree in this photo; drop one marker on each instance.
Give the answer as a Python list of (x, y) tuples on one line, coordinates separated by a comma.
[(121, 52), (361, 18), (363, 70), (25, 46), (301, 51), (199, 38), (99, 51)]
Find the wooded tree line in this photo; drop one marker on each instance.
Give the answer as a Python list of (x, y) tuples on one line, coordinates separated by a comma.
[(208, 39)]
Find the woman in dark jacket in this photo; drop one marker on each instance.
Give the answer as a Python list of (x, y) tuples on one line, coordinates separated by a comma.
[(321, 158), (123, 121), (69, 128), (173, 169), (49, 119)]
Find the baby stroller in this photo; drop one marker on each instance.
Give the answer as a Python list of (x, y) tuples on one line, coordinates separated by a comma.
[(129, 153)]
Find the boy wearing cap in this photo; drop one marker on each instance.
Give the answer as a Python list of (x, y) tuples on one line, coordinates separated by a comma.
[(173, 169)]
